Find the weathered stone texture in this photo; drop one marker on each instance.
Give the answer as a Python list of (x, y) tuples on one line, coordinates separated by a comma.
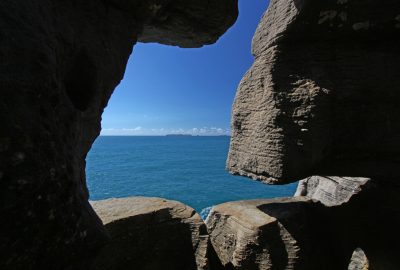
[(152, 233), (188, 23), (59, 64), (331, 190), (361, 215), (359, 260), (324, 87), (263, 234), (321, 98), (303, 234)]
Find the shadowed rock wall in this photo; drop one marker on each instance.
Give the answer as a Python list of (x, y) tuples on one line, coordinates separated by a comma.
[(311, 231), (321, 98), (59, 64)]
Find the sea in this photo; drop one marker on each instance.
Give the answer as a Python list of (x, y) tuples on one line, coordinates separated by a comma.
[(189, 169)]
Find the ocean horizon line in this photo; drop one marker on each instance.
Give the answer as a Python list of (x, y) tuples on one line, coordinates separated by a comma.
[(166, 135)]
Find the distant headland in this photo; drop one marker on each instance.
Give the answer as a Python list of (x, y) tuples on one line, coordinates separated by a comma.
[(191, 135), (178, 135)]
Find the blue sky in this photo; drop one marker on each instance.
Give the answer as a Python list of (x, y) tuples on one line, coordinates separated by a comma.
[(172, 90)]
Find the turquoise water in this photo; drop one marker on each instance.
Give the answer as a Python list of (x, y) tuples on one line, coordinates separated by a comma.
[(187, 169)]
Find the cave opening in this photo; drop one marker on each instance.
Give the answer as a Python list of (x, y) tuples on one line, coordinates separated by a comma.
[(165, 132)]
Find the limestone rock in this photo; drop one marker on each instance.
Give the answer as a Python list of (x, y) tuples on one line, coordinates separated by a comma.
[(331, 190), (359, 260), (321, 98), (152, 233), (266, 234), (357, 212), (300, 233), (59, 64), (323, 87), (189, 23)]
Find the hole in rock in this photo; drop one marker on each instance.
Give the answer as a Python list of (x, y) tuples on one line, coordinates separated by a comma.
[(186, 93)]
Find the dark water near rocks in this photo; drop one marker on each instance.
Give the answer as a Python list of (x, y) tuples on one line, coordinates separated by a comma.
[(187, 169)]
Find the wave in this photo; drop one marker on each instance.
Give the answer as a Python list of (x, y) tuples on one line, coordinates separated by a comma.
[(205, 212)]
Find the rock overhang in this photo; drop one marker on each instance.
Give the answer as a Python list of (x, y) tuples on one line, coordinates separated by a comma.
[(320, 67), (183, 23)]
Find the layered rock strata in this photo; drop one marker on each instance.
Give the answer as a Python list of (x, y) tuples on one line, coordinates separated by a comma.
[(59, 64), (331, 190), (324, 87), (301, 233), (359, 260), (264, 234), (152, 233), (362, 215), (321, 99)]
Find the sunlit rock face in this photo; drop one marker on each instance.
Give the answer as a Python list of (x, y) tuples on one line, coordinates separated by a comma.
[(265, 234), (332, 190), (324, 87), (153, 233), (320, 103), (359, 260), (59, 64)]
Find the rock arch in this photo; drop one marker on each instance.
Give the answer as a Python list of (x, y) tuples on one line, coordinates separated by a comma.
[(60, 62)]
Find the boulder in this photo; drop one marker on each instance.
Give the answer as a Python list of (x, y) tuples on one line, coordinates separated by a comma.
[(305, 233), (152, 233), (324, 87), (269, 234), (359, 260), (361, 216)]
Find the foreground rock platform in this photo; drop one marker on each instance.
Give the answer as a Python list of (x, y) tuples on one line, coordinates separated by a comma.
[(304, 234), (267, 234), (152, 233), (359, 213), (262, 234)]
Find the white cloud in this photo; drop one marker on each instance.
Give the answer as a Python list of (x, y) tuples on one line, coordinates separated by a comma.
[(140, 131)]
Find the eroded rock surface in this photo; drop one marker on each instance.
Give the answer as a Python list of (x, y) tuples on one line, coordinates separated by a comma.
[(266, 234), (324, 87), (321, 98), (302, 233), (59, 64), (359, 260), (361, 215), (152, 233), (331, 190)]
